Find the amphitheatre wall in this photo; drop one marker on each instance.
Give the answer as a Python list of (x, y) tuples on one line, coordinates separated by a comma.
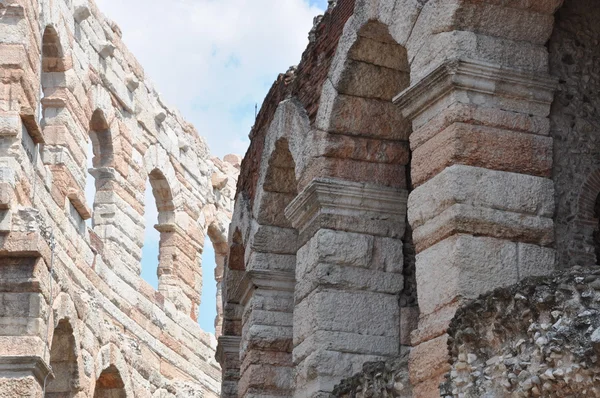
[(422, 154), (75, 315)]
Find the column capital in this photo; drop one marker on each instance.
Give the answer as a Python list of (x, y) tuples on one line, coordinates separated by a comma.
[(31, 364), (350, 206), (512, 89)]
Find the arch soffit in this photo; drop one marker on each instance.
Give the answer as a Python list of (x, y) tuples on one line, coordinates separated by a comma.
[(156, 158), (110, 355), (290, 122), (64, 310), (368, 13), (61, 33)]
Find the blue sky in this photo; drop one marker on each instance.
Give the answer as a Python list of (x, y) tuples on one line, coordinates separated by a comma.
[(213, 60)]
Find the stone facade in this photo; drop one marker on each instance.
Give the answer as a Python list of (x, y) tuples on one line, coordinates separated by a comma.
[(421, 154), (76, 319)]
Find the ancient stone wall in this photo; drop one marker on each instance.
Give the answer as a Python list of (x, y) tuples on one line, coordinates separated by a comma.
[(433, 114), (540, 338), (75, 314), (574, 58)]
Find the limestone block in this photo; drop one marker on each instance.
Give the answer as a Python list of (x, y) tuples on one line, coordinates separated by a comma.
[(360, 312), (132, 82), (271, 261), (460, 218), (479, 187), (270, 239), (10, 124), (332, 203), (260, 379), (483, 147), (81, 10), (465, 81), (267, 337), (366, 80), (337, 247), (429, 360), (463, 267), (318, 374), (436, 49), (106, 49), (6, 195), (388, 255), (160, 116), (351, 343), (535, 260), (347, 278)]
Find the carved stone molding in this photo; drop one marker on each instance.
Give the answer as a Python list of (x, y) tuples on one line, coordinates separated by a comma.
[(227, 345), (25, 365), (517, 86), (349, 206)]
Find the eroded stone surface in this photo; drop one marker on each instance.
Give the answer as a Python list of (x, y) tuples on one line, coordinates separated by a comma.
[(73, 306)]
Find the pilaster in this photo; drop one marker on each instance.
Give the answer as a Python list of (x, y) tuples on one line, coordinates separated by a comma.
[(483, 203), (348, 277)]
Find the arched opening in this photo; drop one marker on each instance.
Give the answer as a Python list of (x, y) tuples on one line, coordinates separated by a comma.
[(110, 384), (280, 186), (63, 361), (53, 68), (574, 127), (235, 260), (99, 154), (159, 218), (150, 250), (213, 262), (270, 306), (101, 138), (52, 52)]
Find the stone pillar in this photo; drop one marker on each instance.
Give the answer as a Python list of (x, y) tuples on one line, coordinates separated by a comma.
[(268, 299), (179, 269), (228, 355), (348, 278), (483, 202)]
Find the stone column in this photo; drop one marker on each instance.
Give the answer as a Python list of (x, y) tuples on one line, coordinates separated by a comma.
[(348, 278), (483, 200)]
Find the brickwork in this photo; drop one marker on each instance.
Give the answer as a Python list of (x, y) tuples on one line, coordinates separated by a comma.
[(77, 318)]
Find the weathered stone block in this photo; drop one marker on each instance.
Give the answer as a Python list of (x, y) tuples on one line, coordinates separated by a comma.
[(463, 267), (482, 147)]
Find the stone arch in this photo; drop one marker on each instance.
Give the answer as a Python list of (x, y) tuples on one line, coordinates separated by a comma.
[(368, 70), (65, 320), (283, 161), (217, 234), (64, 362), (179, 274), (574, 126), (102, 140), (270, 259), (371, 67), (157, 159), (53, 52), (112, 376)]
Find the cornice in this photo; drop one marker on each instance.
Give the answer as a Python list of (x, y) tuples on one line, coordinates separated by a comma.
[(345, 198), (475, 76)]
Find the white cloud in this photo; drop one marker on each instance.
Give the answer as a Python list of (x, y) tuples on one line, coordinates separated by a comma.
[(214, 59)]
